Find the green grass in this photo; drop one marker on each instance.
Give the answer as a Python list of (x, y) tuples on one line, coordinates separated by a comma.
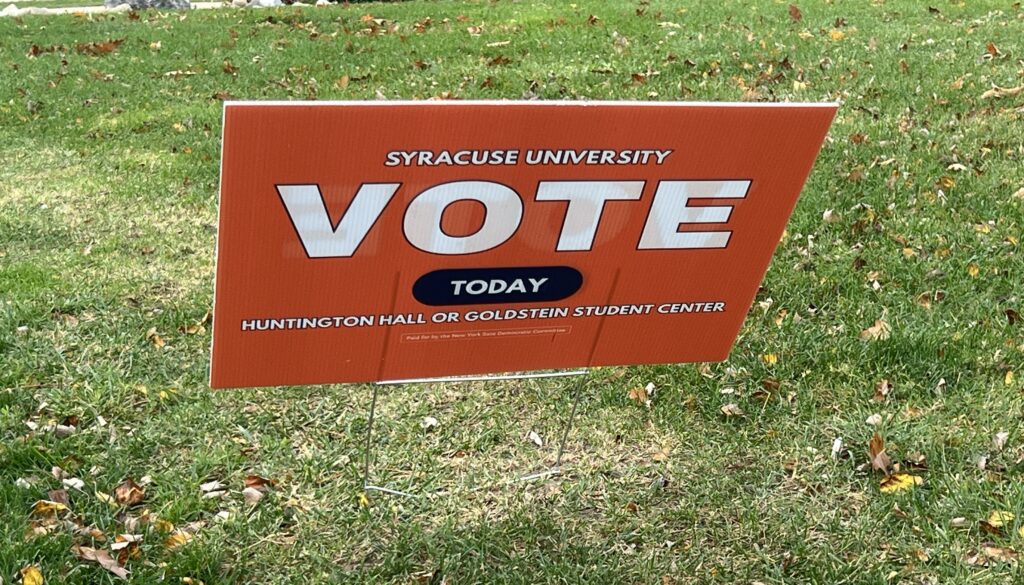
[(107, 219)]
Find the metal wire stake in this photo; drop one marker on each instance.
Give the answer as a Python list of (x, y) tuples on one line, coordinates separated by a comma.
[(568, 424), (369, 434)]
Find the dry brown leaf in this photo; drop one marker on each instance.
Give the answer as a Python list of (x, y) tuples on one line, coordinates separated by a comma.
[(58, 496), (102, 557), (1001, 92), (732, 410), (638, 395), (879, 459), (252, 496), (924, 300), (879, 331), (152, 335), (882, 390), (98, 49), (126, 546), (991, 554), (794, 13), (129, 493)]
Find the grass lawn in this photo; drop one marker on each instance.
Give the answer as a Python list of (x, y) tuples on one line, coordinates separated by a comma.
[(909, 228)]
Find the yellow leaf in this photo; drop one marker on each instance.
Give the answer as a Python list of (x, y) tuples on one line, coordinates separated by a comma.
[(31, 575), (1020, 531), (899, 482), (770, 359), (163, 525), (805, 35), (1008, 380), (837, 35), (106, 498), (47, 508), (177, 539), (973, 270), (364, 501), (1000, 518)]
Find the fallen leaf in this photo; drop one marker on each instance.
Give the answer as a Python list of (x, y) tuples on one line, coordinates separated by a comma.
[(837, 35), (230, 67), (874, 420), (638, 395), (662, 454), (1012, 316), (794, 13), (533, 437), (102, 557), (837, 447), (770, 359), (879, 459), (98, 49), (211, 486), (989, 554), (176, 539), (428, 422), (73, 483), (258, 482), (342, 82), (1008, 378), (899, 482), (973, 270), (59, 496), (31, 575), (1000, 518), (882, 390), (999, 440), (252, 496), (105, 498), (830, 216), (1001, 92), (879, 331), (126, 546), (924, 300), (152, 335), (731, 410), (47, 509), (129, 493)]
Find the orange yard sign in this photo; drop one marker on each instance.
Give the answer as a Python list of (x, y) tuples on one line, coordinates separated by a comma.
[(383, 241)]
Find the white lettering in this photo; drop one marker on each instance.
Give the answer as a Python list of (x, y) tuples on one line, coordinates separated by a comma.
[(671, 208), (504, 211), (308, 212), (586, 204)]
